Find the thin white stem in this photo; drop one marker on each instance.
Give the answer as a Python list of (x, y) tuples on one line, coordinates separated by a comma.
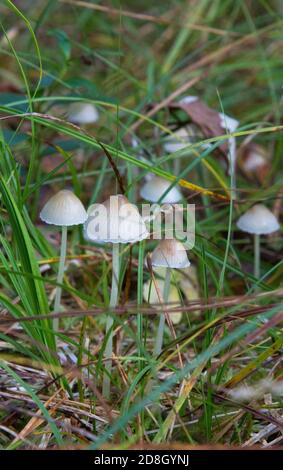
[(160, 331), (257, 256), (60, 275), (109, 323), (177, 166)]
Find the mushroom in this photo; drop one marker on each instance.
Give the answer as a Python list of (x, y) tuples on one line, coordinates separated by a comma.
[(254, 161), (157, 189), (82, 113), (181, 138), (189, 284), (185, 280), (258, 220), (63, 209), (171, 254), (114, 221), (151, 295)]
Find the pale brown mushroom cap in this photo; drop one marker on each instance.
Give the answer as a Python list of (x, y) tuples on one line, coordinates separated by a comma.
[(170, 253), (254, 161)]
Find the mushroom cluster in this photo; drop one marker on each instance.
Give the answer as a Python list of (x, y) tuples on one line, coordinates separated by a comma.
[(118, 222)]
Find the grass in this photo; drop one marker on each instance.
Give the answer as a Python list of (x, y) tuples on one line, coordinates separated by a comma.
[(132, 63)]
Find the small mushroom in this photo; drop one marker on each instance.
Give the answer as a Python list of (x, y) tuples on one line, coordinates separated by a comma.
[(181, 138), (185, 279), (114, 221), (254, 161), (82, 113), (151, 295), (258, 220), (65, 210), (171, 254), (158, 189)]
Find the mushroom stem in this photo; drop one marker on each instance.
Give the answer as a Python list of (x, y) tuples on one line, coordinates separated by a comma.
[(109, 324), (57, 301), (160, 331), (257, 256), (139, 301), (177, 166)]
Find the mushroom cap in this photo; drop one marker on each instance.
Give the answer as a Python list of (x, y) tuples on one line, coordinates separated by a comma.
[(82, 113), (258, 220), (180, 140), (170, 253), (151, 296), (63, 209), (154, 189), (254, 157), (116, 220), (254, 161)]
